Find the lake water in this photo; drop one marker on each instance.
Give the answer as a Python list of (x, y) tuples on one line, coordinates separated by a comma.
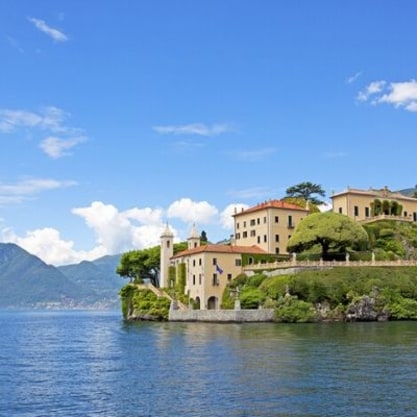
[(94, 364)]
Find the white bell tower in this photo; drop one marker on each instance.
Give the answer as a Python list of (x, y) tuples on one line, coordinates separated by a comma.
[(194, 238), (167, 251)]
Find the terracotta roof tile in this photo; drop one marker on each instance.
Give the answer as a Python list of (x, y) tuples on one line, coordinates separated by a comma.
[(272, 204), (221, 249)]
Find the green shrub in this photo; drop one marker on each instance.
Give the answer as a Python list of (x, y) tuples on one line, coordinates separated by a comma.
[(252, 298), (292, 310)]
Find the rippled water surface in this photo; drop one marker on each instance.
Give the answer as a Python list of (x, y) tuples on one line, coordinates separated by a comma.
[(93, 364)]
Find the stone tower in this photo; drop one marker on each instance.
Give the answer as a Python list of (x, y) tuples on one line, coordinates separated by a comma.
[(167, 251), (194, 238)]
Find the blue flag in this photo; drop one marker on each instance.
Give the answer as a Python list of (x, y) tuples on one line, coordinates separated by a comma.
[(218, 269)]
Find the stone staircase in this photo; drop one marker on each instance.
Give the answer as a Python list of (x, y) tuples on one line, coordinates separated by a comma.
[(161, 293)]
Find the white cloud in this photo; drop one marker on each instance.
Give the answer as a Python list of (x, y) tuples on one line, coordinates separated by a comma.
[(48, 245), (115, 230), (28, 188), (398, 94), (200, 212), (255, 154), (57, 148), (53, 33), (326, 206), (199, 129), (353, 78), (10, 120), (373, 88), (403, 94), (118, 231), (226, 218), (50, 119)]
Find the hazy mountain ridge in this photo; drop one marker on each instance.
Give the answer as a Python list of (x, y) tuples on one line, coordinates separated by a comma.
[(28, 282)]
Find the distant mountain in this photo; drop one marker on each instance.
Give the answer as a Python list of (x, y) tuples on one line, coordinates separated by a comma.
[(27, 282), (98, 276), (410, 192)]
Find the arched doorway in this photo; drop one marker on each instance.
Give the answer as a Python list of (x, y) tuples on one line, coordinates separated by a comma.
[(196, 304), (212, 303)]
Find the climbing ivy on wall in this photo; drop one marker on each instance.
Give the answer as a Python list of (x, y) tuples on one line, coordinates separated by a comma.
[(180, 282)]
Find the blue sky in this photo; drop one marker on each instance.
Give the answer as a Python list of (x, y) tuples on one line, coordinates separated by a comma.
[(119, 116)]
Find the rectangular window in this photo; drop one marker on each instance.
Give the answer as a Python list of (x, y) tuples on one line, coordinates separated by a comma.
[(259, 239), (215, 280), (276, 219), (214, 261), (199, 279), (258, 220), (290, 223), (193, 279), (276, 250), (245, 234), (238, 262), (265, 219), (265, 238), (193, 262), (252, 222), (356, 211), (414, 217), (229, 277), (366, 211), (244, 224), (253, 233), (237, 236), (237, 225), (276, 238)]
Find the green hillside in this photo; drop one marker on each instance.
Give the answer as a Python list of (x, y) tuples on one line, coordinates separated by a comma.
[(26, 281)]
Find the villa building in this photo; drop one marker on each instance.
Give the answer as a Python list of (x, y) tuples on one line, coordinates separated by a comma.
[(364, 205), (268, 225), (261, 232)]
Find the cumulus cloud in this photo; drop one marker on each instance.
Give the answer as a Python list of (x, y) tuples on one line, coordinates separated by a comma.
[(226, 216), (49, 119), (199, 129), (12, 193), (192, 211), (398, 94), (53, 33), (49, 246), (117, 231)]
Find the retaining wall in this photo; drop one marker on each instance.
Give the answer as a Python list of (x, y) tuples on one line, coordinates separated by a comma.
[(222, 316)]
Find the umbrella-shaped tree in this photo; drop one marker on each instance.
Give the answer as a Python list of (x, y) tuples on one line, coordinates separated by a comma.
[(330, 230)]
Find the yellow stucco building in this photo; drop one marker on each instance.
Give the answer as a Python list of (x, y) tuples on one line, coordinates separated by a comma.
[(362, 205), (268, 225), (261, 232)]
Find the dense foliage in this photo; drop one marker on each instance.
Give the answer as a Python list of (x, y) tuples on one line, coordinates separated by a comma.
[(329, 230), (331, 294), (143, 304), (143, 264)]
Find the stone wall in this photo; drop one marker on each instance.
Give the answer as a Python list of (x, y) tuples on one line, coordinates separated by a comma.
[(222, 316)]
